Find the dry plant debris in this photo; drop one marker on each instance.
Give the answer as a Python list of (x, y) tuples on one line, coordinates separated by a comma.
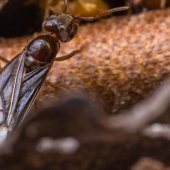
[(123, 59), (149, 164), (36, 145), (157, 130), (150, 109)]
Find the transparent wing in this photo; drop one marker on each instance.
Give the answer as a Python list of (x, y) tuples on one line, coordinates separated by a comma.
[(11, 77), (18, 90), (29, 91)]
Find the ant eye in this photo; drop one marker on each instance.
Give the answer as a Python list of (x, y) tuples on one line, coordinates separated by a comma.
[(72, 34), (61, 27)]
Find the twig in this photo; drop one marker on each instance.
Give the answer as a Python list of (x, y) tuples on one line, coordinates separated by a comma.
[(143, 112)]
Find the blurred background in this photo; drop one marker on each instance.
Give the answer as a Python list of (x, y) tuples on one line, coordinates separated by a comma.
[(23, 17)]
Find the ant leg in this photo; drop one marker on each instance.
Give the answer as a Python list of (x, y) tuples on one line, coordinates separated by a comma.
[(69, 55), (61, 59), (4, 59), (36, 104), (55, 86), (52, 9), (163, 4), (46, 13)]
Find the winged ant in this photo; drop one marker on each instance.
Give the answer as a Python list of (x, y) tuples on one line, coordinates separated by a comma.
[(21, 79)]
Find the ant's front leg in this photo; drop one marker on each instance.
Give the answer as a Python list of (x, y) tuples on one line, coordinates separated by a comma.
[(163, 4), (69, 55)]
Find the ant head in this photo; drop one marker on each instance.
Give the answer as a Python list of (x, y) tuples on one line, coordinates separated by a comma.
[(62, 25), (65, 26)]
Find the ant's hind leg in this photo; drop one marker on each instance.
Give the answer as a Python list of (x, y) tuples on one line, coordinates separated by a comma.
[(4, 59), (36, 104), (55, 86), (61, 59)]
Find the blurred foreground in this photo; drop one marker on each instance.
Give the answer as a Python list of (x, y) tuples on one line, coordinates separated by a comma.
[(67, 135)]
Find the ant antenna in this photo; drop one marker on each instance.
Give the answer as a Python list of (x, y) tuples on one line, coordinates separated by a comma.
[(101, 14), (65, 3)]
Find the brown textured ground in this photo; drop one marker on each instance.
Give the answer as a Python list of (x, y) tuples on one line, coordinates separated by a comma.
[(123, 59)]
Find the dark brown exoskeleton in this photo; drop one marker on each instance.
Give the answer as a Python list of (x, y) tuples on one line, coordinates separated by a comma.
[(22, 78)]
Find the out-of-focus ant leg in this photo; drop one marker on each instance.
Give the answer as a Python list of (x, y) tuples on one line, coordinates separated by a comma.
[(56, 87), (4, 59), (36, 105), (65, 57), (163, 4)]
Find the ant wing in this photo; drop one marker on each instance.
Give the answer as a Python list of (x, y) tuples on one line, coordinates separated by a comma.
[(29, 91), (11, 77), (18, 91)]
